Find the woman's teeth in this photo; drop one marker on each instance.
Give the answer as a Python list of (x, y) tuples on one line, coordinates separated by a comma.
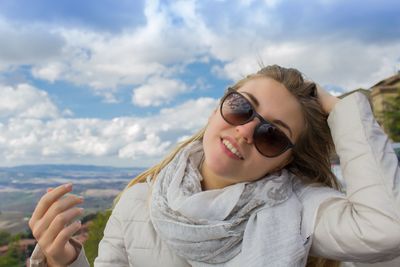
[(231, 148)]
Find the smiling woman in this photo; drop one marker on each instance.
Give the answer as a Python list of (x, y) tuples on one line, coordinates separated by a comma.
[(253, 188)]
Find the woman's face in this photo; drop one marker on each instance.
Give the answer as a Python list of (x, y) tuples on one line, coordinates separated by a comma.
[(275, 102)]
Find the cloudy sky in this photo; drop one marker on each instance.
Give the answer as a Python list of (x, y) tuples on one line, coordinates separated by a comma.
[(120, 82)]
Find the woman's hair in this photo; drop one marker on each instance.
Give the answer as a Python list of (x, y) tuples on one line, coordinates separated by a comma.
[(312, 154)]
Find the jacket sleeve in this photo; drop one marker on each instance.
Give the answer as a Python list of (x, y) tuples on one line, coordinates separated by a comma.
[(38, 259), (365, 225)]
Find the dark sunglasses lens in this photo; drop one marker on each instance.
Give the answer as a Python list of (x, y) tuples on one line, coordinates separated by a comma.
[(269, 140), (236, 109)]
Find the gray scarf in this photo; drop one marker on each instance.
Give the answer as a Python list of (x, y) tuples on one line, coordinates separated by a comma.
[(214, 226)]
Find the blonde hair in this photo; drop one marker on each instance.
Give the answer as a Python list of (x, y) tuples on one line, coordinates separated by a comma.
[(313, 150)]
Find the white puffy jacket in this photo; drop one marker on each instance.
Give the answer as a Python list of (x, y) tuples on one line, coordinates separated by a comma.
[(362, 226)]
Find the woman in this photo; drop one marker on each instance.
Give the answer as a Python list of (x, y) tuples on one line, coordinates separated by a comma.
[(253, 188)]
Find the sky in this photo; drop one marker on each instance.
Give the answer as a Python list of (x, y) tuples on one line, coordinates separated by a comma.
[(119, 83)]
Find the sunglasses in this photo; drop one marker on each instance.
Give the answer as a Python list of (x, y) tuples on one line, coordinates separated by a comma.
[(268, 139)]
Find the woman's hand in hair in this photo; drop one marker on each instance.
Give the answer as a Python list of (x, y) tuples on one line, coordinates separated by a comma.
[(52, 224), (326, 100)]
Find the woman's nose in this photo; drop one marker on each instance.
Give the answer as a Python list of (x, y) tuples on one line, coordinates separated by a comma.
[(246, 131)]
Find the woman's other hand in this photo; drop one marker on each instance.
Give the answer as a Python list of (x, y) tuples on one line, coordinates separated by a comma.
[(326, 100), (52, 224)]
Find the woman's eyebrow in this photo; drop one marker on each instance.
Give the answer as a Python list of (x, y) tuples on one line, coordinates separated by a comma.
[(253, 99), (281, 123), (257, 104)]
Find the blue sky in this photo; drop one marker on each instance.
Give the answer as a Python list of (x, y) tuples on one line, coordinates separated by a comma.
[(120, 82)]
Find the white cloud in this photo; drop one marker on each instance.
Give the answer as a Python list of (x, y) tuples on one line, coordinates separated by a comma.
[(157, 91), (50, 72), (182, 32), (122, 141), (26, 101), (104, 61), (191, 115), (151, 146), (349, 64), (27, 44)]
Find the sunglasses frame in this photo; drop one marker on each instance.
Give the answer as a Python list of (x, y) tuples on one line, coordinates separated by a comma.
[(263, 121)]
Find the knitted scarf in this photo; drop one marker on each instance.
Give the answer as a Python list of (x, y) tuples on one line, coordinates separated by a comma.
[(251, 220)]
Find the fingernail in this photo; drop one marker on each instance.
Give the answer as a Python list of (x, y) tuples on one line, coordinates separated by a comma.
[(68, 186), (49, 189), (81, 210)]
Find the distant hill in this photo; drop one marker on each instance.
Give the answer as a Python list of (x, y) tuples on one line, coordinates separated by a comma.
[(66, 171), (67, 167)]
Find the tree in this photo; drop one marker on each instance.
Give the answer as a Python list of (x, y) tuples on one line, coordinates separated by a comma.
[(14, 256), (391, 116), (4, 238), (96, 230)]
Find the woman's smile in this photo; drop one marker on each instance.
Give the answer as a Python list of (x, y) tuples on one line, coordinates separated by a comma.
[(230, 148)]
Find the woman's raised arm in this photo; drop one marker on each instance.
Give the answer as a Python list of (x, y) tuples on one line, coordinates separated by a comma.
[(365, 225)]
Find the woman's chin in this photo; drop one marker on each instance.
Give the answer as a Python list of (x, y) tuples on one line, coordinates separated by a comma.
[(218, 167)]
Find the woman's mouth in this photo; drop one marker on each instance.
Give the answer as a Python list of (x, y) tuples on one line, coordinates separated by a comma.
[(230, 149)]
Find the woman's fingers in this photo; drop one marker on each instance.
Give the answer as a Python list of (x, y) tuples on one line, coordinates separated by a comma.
[(59, 251), (56, 213), (52, 224), (64, 236), (61, 222), (326, 100), (46, 201)]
